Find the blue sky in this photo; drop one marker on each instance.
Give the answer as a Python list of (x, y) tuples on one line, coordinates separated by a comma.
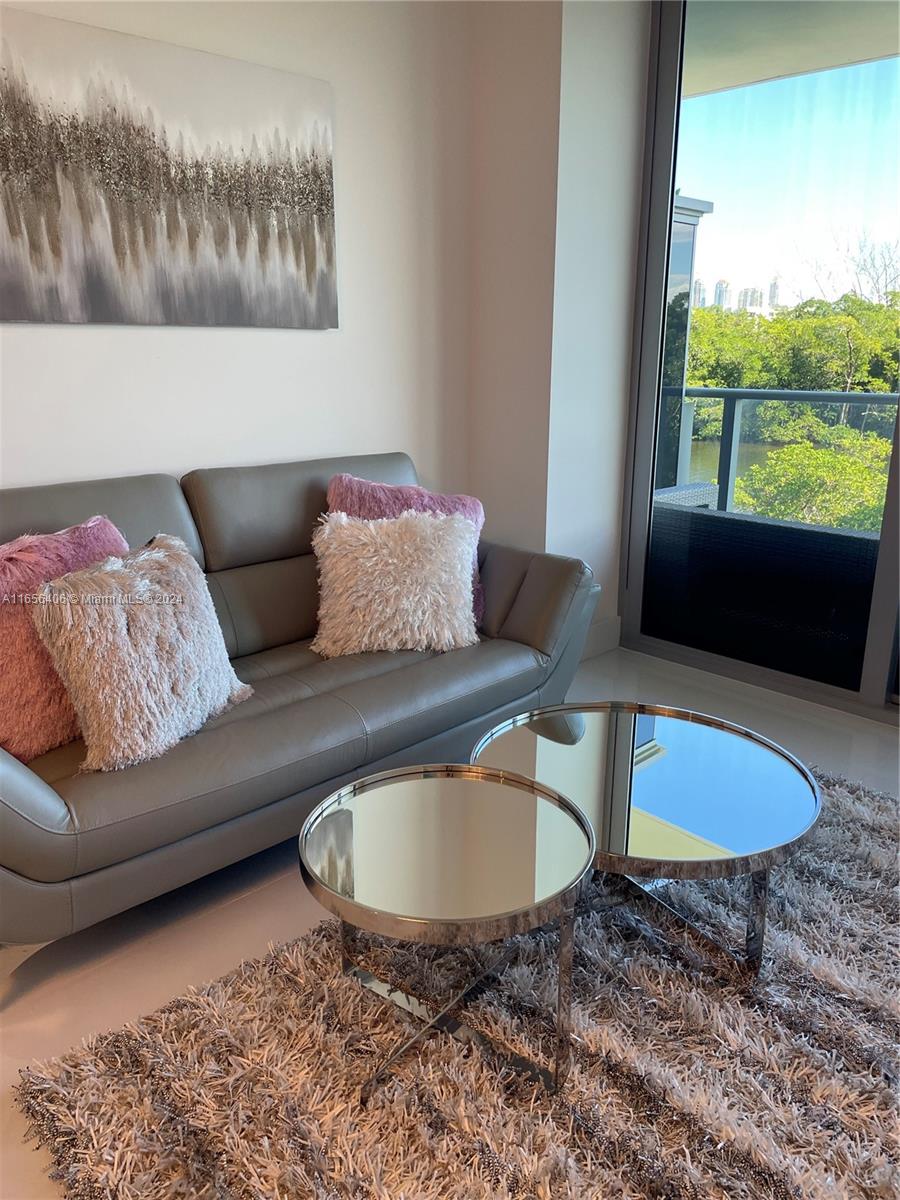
[(798, 169)]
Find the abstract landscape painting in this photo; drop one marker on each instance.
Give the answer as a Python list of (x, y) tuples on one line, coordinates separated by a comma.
[(143, 183)]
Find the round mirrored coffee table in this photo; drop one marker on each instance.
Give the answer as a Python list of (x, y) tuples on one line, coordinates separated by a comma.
[(671, 794), (450, 855)]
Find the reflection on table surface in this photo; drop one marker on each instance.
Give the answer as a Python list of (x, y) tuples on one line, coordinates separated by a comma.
[(662, 787), (446, 849)]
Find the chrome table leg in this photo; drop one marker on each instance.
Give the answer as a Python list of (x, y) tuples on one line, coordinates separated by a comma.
[(756, 921), (564, 999), (348, 945), (751, 960), (443, 1020), (446, 1021)]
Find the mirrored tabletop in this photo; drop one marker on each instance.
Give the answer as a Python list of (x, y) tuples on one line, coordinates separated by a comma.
[(669, 792), (444, 845)]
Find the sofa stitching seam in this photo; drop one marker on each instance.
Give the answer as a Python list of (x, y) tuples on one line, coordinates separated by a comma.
[(428, 655), (75, 844), (512, 604), (198, 521), (237, 640), (362, 722), (303, 683), (572, 591), (453, 699), (37, 824)]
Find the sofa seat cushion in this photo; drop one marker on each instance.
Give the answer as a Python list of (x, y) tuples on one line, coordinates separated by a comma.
[(319, 674), (427, 697), (275, 693), (404, 696), (270, 747), (308, 721), (280, 660)]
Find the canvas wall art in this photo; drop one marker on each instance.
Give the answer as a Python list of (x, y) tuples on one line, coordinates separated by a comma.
[(143, 183)]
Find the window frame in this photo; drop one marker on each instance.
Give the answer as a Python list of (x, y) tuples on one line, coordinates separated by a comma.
[(654, 243)]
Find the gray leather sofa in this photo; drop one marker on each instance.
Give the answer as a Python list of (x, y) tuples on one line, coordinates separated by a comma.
[(76, 848)]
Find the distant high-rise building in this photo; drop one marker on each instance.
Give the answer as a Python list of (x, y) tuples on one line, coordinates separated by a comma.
[(722, 294), (699, 294), (749, 298), (773, 293)]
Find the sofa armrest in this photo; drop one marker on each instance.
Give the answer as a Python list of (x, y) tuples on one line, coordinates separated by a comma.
[(31, 815), (536, 599)]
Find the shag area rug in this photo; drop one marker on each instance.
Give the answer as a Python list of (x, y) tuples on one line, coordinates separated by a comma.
[(685, 1083)]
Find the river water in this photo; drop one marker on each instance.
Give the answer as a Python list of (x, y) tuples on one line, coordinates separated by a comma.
[(705, 458)]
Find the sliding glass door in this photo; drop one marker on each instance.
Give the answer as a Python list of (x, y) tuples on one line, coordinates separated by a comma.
[(766, 409)]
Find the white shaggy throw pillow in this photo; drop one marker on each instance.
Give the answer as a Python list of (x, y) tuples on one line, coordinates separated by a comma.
[(139, 649), (403, 583)]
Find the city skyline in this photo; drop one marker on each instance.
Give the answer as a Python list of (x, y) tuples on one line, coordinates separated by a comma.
[(748, 297)]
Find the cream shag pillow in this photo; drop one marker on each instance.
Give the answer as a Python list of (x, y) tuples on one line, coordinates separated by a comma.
[(403, 583), (139, 649)]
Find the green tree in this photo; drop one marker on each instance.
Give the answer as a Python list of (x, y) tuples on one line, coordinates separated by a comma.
[(846, 345), (841, 484), (726, 349), (677, 313), (730, 349), (828, 463), (780, 421)]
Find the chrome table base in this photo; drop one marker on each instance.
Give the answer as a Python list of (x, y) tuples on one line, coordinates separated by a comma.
[(611, 891), (619, 889), (446, 1021)]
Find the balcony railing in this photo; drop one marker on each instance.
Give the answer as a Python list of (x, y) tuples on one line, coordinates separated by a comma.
[(732, 407)]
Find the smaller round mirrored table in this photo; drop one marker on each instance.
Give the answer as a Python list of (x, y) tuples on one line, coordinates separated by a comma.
[(450, 855), (671, 794)]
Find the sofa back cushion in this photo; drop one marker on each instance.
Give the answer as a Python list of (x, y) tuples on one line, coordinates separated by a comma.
[(141, 506), (250, 527), (256, 525)]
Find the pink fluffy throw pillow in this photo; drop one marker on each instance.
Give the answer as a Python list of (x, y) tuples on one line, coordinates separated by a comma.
[(35, 712), (373, 501)]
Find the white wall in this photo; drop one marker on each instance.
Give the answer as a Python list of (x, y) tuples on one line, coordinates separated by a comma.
[(82, 401), (602, 101), (485, 296), (558, 99), (515, 128)]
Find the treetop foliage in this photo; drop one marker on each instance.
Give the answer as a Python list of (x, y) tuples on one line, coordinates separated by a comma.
[(829, 462)]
